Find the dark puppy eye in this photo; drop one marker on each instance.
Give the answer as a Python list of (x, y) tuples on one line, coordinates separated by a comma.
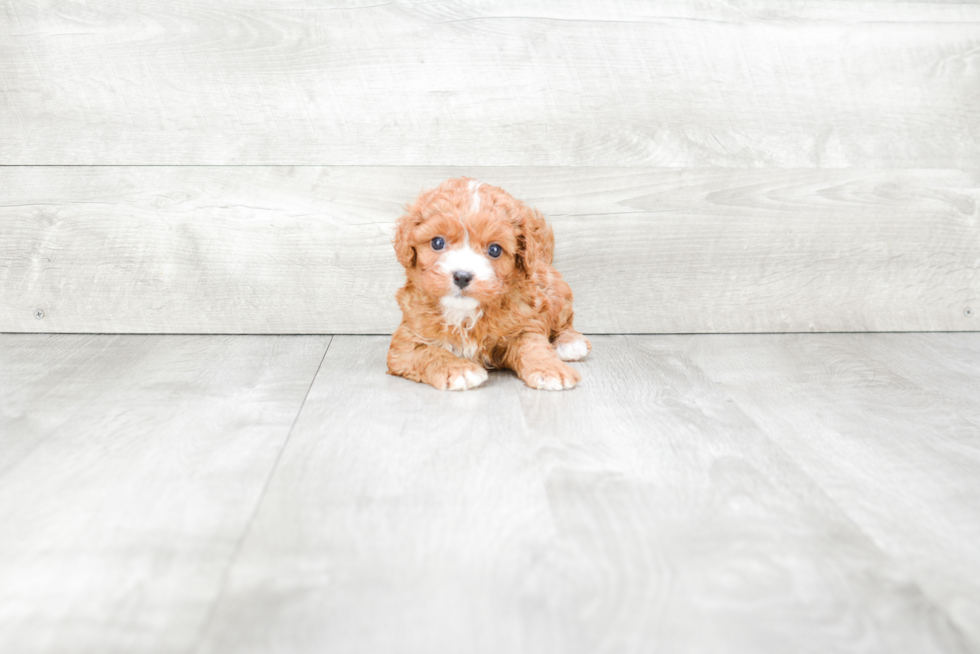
[(438, 243), (494, 250)]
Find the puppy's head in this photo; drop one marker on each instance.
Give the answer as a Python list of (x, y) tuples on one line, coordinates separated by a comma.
[(467, 244)]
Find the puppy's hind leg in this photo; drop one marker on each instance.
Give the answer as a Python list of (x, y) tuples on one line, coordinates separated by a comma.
[(571, 346)]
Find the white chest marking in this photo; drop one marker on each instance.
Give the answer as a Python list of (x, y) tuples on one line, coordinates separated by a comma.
[(460, 311)]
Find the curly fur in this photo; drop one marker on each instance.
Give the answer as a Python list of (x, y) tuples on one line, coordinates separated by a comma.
[(517, 311)]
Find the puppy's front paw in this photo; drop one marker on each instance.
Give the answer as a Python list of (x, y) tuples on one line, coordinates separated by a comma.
[(551, 376), (460, 376), (572, 348)]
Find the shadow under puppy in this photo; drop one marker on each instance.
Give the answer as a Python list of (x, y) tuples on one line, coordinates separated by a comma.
[(481, 292)]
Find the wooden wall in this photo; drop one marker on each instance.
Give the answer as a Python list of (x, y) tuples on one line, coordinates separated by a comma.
[(235, 166)]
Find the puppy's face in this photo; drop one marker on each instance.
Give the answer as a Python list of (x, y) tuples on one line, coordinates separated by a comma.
[(460, 245)]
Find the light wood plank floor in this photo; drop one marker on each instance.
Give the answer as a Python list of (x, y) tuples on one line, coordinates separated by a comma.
[(740, 493)]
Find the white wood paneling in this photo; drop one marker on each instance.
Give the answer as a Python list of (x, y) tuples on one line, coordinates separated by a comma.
[(307, 249), (750, 84), (754, 166), (130, 467)]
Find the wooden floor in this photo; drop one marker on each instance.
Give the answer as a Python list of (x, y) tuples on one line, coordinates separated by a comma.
[(741, 493)]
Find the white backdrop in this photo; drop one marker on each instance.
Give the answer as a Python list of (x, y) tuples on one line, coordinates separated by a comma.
[(236, 166)]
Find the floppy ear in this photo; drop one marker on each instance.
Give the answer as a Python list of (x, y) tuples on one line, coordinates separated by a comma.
[(535, 240), (404, 249)]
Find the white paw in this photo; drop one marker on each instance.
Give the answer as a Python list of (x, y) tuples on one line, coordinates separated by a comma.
[(552, 383), (572, 351), (467, 380)]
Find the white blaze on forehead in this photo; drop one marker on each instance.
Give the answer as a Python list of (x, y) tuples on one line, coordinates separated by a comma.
[(465, 259), (474, 189)]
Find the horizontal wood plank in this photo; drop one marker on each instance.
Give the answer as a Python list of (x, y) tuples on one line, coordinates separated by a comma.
[(307, 249), (761, 84)]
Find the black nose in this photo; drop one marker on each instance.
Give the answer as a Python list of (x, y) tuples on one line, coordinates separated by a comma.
[(462, 278)]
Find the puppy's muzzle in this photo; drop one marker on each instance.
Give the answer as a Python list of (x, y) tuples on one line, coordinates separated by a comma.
[(462, 278)]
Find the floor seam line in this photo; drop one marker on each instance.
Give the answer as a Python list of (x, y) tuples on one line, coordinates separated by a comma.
[(913, 579), (247, 530)]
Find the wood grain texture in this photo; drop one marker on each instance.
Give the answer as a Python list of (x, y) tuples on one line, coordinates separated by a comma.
[(750, 84), (683, 528), (129, 469), (400, 519), (890, 437), (307, 249), (732, 494), (641, 512), (945, 366)]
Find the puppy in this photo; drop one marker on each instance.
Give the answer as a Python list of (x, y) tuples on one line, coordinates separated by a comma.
[(481, 293)]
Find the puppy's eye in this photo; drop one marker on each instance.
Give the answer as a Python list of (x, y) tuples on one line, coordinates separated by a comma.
[(438, 243), (494, 250)]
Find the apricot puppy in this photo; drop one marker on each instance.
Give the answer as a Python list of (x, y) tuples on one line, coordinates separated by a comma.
[(480, 292)]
